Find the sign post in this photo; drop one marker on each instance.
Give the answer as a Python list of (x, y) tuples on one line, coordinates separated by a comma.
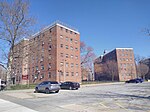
[(0, 84)]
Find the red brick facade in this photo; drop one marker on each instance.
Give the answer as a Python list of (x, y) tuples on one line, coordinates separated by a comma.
[(124, 64), (53, 54)]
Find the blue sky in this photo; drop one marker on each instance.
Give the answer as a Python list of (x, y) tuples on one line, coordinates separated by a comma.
[(103, 24)]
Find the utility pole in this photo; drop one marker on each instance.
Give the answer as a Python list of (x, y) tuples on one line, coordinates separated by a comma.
[(64, 70)]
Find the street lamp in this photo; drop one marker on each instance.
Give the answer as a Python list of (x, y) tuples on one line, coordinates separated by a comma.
[(64, 70)]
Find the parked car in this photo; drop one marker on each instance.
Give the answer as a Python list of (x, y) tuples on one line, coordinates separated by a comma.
[(140, 80), (137, 80), (70, 85), (47, 87), (3, 85)]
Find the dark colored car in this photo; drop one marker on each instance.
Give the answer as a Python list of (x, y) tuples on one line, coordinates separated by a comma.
[(47, 87), (137, 80), (140, 80), (70, 85)]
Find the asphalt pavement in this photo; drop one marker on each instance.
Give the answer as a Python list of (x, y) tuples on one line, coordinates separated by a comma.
[(112, 97)]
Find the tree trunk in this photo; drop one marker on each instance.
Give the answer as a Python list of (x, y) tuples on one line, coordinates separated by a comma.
[(9, 68)]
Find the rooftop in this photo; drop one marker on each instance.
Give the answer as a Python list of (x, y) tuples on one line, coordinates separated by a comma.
[(59, 23), (116, 49)]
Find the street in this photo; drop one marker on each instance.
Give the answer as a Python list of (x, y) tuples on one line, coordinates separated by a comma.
[(115, 97)]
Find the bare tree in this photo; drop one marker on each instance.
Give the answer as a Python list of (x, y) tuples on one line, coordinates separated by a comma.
[(111, 69), (142, 70), (14, 25), (2, 73), (139, 58), (87, 58)]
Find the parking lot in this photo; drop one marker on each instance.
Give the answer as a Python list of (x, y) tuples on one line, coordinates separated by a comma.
[(116, 97)]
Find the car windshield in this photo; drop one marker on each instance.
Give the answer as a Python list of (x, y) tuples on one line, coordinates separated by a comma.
[(54, 82)]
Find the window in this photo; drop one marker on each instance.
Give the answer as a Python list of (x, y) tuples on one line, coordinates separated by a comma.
[(61, 73), (42, 58), (70, 32), (37, 59), (76, 57), (50, 47), (61, 45), (42, 76), (67, 73), (71, 56), (49, 57), (36, 76), (61, 54), (66, 30), (76, 65), (42, 43), (72, 73), (61, 28), (66, 46), (67, 56), (71, 40), (49, 66), (36, 67), (67, 64), (50, 30), (42, 67), (50, 39), (67, 38), (77, 73), (61, 64), (71, 48), (61, 36), (32, 69), (42, 49), (33, 59), (76, 49), (72, 65), (124, 65), (76, 41), (24, 69), (121, 65), (49, 75)]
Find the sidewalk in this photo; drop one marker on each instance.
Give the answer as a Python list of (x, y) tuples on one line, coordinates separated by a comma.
[(7, 106), (102, 84)]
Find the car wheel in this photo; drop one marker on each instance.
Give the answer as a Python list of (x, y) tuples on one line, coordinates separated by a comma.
[(47, 91), (70, 88), (36, 90), (56, 91)]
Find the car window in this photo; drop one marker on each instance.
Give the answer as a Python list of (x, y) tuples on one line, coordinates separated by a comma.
[(41, 83), (54, 82), (65, 83), (45, 83)]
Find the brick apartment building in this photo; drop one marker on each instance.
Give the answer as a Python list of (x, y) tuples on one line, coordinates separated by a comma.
[(51, 54), (119, 62)]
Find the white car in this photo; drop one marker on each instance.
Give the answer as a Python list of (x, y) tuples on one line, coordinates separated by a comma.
[(3, 85)]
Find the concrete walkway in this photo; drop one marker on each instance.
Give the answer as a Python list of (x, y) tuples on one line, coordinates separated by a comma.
[(7, 106)]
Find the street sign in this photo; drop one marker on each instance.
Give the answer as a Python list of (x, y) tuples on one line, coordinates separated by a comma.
[(24, 77)]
